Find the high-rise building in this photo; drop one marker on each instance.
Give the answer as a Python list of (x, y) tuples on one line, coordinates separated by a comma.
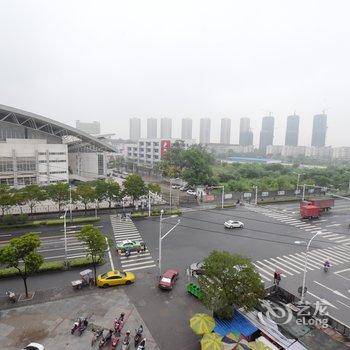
[(204, 131), (319, 130), (186, 129), (152, 128), (135, 129), (266, 133), (93, 128), (165, 128), (225, 134), (245, 133), (292, 132)]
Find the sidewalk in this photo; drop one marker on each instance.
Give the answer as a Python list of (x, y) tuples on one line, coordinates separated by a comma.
[(49, 323)]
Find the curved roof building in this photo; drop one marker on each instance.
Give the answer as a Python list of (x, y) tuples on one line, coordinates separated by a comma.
[(16, 123), (37, 149)]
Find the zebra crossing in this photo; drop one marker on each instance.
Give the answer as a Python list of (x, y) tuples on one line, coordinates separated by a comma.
[(310, 227), (52, 247), (126, 230), (293, 264)]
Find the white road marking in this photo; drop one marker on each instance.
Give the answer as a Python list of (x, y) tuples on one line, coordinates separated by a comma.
[(343, 240), (299, 262), (264, 271), (324, 301), (278, 267), (284, 264), (333, 225), (343, 304), (268, 267), (332, 290), (141, 267), (110, 255), (334, 238)]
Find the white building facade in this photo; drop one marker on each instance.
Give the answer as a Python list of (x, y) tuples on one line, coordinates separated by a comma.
[(24, 162)]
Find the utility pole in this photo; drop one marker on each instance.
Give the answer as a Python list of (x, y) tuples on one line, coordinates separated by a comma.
[(298, 181), (222, 197), (304, 187)]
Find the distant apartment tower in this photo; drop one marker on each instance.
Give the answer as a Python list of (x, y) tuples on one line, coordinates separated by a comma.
[(245, 133), (266, 133), (292, 131), (204, 131), (93, 128), (225, 133), (165, 128), (151, 128), (186, 129), (135, 129), (319, 130)]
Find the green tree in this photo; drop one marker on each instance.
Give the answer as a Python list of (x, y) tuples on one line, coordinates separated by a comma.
[(153, 187), (59, 193), (108, 190), (197, 166), (6, 198), (21, 254), (134, 186), (229, 281), (172, 161), (85, 193), (33, 194), (95, 243)]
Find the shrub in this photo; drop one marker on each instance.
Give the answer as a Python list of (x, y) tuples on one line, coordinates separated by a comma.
[(10, 219)]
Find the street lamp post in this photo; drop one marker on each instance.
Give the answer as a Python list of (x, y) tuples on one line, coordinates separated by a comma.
[(222, 195), (256, 195), (163, 237), (64, 217), (305, 264), (70, 203), (304, 188)]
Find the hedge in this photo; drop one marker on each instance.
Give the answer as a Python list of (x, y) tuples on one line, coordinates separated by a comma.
[(50, 266), (48, 222), (227, 206), (156, 212)]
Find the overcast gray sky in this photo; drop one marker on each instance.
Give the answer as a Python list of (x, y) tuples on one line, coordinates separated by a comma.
[(111, 60)]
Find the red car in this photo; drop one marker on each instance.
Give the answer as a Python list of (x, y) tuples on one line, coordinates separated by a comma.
[(168, 279)]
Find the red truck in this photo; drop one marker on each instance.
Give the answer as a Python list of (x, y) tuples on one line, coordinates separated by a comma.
[(314, 207)]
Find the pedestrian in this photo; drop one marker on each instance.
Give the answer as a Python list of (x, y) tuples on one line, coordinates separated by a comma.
[(277, 278), (144, 246)]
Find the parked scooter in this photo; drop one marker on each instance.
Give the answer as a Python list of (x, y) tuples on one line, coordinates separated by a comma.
[(126, 341), (105, 339), (118, 324), (11, 296), (75, 326), (97, 334), (115, 341), (83, 325), (142, 345), (138, 336)]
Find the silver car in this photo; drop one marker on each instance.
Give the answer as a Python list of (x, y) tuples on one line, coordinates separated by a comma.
[(233, 224)]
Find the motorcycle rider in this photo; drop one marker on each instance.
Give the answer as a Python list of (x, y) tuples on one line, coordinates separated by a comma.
[(277, 277), (138, 335), (126, 340), (326, 264), (142, 345), (11, 296)]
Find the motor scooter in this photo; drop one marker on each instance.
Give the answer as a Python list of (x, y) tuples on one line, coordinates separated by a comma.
[(105, 339), (11, 296), (115, 341), (126, 342), (97, 334), (142, 345), (138, 336)]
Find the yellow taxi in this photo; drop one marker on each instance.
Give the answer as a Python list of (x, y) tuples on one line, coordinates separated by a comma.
[(115, 278)]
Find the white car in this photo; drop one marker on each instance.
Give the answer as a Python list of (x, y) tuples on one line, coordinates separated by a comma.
[(233, 224), (191, 192), (176, 187), (34, 346)]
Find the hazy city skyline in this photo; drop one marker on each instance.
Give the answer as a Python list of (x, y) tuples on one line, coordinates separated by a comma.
[(87, 61)]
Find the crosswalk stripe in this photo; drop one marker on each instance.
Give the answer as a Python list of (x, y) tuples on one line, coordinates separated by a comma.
[(284, 264), (135, 235), (268, 267), (298, 262), (139, 258), (343, 255), (141, 267), (329, 255), (310, 262), (134, 254), (279, 267), (323, 257), (137, 264), (330, 235), (343, 240), (260, 268), (334, 238)]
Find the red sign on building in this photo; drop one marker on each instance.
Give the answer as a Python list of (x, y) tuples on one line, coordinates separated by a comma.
[(164, 146)]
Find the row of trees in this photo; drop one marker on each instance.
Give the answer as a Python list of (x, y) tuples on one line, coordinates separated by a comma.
[(273, 177), (87, 192), (21, 253)]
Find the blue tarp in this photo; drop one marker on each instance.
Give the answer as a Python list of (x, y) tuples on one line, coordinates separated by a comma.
[(238, 324)]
